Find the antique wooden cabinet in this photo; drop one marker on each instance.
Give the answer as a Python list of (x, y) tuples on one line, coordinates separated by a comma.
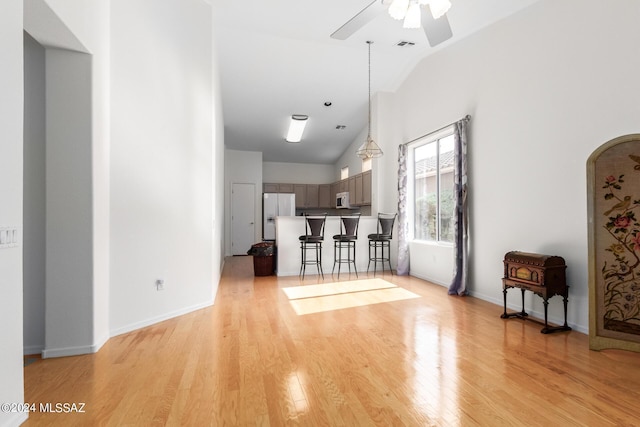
[(544, 275)]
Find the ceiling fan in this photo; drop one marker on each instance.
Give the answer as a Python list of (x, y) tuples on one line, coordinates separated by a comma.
[(433, 19)]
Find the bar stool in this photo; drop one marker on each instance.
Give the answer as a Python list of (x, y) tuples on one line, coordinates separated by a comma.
[(346, 240), (381, 240), (312, 240)]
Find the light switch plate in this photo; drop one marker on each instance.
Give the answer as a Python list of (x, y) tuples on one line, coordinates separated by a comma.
[(9, 237)]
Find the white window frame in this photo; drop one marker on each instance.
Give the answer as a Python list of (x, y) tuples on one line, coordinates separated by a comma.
[(344, 172), (433, 137), (366, 164)]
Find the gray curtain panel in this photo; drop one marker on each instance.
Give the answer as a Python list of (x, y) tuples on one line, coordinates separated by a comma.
[(403, 225), (461, 212)]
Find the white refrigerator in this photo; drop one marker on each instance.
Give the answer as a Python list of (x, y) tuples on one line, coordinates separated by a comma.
[(273, 205)]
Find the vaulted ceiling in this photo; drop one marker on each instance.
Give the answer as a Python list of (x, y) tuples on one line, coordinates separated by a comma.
[(276, 58)]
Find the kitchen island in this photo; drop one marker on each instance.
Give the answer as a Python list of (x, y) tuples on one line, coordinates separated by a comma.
[(290, 228)]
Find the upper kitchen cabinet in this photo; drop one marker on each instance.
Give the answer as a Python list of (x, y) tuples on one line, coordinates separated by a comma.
[(270, 188), (360, 189), (285, 188), (366, 188), (335, 189), (306, 195), (277, 188), (324, 196)]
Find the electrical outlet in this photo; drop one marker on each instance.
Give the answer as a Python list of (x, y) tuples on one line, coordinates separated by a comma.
[(160, 285)]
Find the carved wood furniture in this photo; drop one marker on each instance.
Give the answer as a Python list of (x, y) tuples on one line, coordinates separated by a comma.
[(544, 275)]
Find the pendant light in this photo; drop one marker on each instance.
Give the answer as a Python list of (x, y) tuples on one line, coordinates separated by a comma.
[(369, 149)]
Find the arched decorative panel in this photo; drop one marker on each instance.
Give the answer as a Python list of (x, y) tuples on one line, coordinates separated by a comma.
[(613, 177)]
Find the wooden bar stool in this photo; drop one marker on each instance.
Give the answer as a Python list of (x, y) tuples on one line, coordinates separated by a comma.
[(346, 240), (381, 240), (312, 241)]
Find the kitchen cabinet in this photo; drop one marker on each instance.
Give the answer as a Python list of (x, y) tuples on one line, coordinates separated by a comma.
[(366, 188), (335, 189), (300, 190), (306, 195), (344, 185), (362, 194), (324, 196), (269, 187), (285, 188), (352, 190), (312, 195)]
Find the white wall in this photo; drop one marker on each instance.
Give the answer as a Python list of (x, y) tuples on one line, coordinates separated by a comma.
[(298, 173), (162, 154), (243, 167), (218, 183), (77, 167), (34, 230), (541, 99), (11, 128)]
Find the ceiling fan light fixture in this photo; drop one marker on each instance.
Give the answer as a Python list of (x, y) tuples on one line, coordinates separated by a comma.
[(413, 17), (439, 7), (296, 127), (398, 9)]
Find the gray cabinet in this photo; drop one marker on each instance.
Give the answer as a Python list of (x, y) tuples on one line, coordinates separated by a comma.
[(312, 196), (306, 195), (300, 190), (285, 188), (335, 189), (352, 191), (366, 188), (362, 189), (269, 187), (324, 196)]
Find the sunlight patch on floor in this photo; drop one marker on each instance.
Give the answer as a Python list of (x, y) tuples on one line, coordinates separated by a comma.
[(336, 296)]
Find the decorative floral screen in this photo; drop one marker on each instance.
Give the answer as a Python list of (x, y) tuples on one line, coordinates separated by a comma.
[(614, 216)]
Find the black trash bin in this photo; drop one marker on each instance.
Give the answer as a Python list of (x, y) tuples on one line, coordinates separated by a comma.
[(263, 258)]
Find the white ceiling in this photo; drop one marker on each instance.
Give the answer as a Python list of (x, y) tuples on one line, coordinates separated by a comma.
[(276, 59)]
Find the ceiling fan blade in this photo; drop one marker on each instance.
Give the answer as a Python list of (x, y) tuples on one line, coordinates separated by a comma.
[(359, 20), (437, 30)]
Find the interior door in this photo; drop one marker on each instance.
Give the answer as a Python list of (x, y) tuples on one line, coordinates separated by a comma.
[(243, 214)]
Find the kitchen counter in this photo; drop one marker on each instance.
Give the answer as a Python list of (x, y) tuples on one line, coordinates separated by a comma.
[(289, 228)]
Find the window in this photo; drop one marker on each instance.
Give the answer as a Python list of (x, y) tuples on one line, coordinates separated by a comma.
[(366, 164), (430, 180), (344, 172)]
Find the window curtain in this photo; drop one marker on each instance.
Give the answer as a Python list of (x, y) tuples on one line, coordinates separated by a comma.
[(403, 225), (461, 211)]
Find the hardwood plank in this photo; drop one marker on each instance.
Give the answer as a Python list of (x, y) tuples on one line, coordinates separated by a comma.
[(251, 360)]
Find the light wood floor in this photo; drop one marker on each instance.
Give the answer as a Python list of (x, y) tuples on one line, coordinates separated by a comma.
[(429, 359)]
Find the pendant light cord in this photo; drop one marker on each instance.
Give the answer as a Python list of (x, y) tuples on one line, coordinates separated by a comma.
[(369, 126)]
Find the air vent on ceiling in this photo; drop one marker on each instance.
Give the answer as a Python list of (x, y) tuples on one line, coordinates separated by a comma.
[(404, 43)]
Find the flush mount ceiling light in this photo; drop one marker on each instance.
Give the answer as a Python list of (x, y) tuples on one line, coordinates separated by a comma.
[(296, 127), (409, 10), (369, 149)]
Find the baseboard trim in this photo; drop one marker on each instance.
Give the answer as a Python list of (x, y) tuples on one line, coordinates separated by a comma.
[(152, 321), (538, 315), (32, 349), (48, 353), (99, 343), (428, 279)]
